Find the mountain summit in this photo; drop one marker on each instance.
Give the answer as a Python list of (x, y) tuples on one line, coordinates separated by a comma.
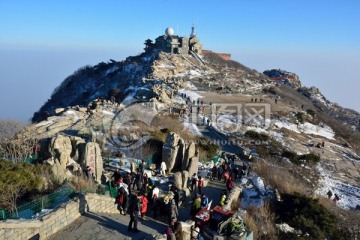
[(180, 104)]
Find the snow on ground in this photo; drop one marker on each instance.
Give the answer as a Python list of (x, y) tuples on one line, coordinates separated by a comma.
[(44, 123), (321, 99), (108, 113), (324, 131), (287, 125), (194, 96), (71, 112), (308, 128), (190, 85), (349, 195), (165, 66), (191, 127), (194, 73), (226, 124), (178, 100)]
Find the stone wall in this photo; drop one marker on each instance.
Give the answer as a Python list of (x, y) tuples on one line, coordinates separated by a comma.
[(58, 219)]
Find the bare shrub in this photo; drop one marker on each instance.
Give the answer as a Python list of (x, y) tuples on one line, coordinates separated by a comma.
[(18, 150), (275, 176), (290, 95), (8, 128), (83, 184), (261, 221), (349, 225)]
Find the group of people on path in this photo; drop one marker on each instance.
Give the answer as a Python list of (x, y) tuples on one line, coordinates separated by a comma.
[(137, 194)]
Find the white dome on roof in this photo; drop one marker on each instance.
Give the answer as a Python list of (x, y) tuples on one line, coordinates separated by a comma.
[(169, 31)]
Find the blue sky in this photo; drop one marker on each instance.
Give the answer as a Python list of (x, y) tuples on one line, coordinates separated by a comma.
[(42, 42)]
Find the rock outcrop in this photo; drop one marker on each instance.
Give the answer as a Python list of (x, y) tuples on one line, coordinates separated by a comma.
[(284, 77), (170, 150), (61, 148), (58, 171), (193, 166), (92, 157), (190, 151), (176, 153), (70, 152), (178, 181)]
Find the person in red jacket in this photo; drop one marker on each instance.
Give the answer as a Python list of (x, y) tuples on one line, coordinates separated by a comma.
[(200, 184), (144, 204), (229, 184)]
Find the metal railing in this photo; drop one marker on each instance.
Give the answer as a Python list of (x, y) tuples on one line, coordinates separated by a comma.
[(30, 209)]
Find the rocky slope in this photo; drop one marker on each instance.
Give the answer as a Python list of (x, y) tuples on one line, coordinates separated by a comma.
[(344, 115), (150, 75), (95, 102)]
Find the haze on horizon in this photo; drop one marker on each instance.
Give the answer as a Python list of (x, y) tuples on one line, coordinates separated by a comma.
[(41, 42)]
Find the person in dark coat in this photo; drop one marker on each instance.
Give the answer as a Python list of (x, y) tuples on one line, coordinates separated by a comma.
[(155, 206), (88, 172), (214, 172), (138, 181), (134, 211), (194, 180), (142, 169), (116, 175), (173, 214), (236, 173), (122, 201), (128, 180), (329, 194), (176, 197), (219, 173)]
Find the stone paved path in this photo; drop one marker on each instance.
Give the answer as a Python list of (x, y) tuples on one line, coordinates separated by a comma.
[(102, 226)]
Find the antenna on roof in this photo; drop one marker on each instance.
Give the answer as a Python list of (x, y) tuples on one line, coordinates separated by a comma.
[(192, 31)]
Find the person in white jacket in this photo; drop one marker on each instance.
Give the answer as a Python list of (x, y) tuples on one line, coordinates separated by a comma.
[(163, 169)]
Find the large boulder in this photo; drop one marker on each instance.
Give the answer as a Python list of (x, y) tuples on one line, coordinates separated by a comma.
[(190, 150), (77, 144), (172, 139), (185, 230), (61, 148), (59, 110), (169, 156), (92, 157), (170, 150), (193, 166), (178, 182), (176, 153), (58, 171), (185, 177)]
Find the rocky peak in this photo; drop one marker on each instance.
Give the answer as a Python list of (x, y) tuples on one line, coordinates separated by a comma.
[(284, 77)]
